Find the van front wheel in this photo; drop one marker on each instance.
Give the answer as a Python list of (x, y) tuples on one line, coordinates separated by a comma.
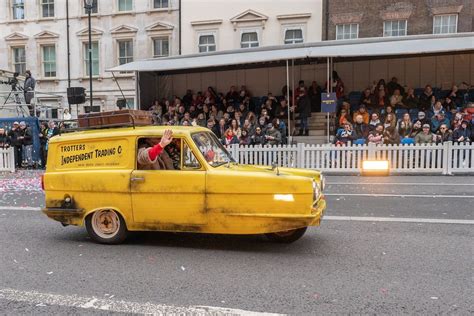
[(106, 227), (287, 236)]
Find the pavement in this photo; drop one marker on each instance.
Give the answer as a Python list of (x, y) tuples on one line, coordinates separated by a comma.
[(378, 251)]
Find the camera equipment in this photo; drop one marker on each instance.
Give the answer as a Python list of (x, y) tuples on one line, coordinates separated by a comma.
[(13, 82)]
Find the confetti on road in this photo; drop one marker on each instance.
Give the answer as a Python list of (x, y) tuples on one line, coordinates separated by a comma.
[(27, 250), (50, 272), (183, 268)]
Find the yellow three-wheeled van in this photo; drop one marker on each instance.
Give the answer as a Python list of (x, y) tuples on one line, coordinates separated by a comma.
[(93, 179)]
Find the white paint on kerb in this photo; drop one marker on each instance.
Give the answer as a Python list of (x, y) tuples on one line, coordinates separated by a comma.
[(118, 306), (19, 208), (399, 220), (401, 183)]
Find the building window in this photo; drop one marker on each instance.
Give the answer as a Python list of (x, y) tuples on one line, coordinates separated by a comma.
[(125, 5), (18, 9), (161, 47), (47, 8), (130, 103), (125, 52), (293, 36), (207, 43), (94, 9), (95, 58), (347, 31), (49, 60), (249, 39), (159, 4), (19, 59), (444, 24), (395, 28)]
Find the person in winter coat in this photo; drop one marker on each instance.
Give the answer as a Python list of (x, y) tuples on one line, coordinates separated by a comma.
[(462, 134), (425, 137), (304, 109), (26, 137), (244, 139), (376, 136), (362, 112), (230, 138), (345, 135), (444, 134), (151, 153), (16, 142), (437, 120), (391, 136), (273, 135), (405, 126), (361, 129), (259, 137)]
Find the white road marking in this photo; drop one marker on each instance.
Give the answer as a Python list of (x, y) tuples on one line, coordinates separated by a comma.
[(401, 183), (399, 220), (402, 195), (19, 208), (127, 307)]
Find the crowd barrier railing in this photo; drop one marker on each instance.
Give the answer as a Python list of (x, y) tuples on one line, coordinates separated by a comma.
[(447, 158), (7, 159)]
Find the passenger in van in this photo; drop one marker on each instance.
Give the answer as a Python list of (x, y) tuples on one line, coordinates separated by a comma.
[(151, 153)]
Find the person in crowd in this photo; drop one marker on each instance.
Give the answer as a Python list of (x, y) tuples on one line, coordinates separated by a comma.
[(26, 138), (416, 129), (28, 90), (186, 117), (273, 135), (396, 100), (462, 134), (449, 105), (376, 136), (437, 120), (270, 106), (314, 93), (345, 135), (244, 139), (437, 108), (426, 98), (222, 128), (344, 118), (410, 100), (282, 110), (258, 138), (405, 126), (300, 90), (262, 123), (188, 98), (16, 142), (51, 131), (201, 119), (425, 137), (367, 99), (422, 118), (67, 117), (391, 136), (444, 134), (381, 85), (374, 121), (229, 138), (234, 126), (5, 141), (394, 85), (362, 112), (282, 128), (304, 109), (232, 96), (390, 120), (455, 96), (211, 124), (249, 127), (361, 129), (381, 100), (337, 85)]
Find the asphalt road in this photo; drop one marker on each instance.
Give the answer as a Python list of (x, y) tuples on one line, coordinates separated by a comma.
[(365, 266)]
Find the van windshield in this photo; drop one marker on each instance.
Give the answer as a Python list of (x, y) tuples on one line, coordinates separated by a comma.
[(212, 150)]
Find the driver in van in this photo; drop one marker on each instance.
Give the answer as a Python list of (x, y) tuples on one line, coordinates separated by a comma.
[(151, 153)]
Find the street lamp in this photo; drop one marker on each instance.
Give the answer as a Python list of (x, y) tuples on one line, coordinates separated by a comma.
[(88, 6)]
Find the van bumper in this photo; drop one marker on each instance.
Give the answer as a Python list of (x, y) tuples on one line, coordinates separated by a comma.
[(67, 216)]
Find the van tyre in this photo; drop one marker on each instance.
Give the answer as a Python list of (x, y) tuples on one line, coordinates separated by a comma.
[(106, 227), (288, 236)]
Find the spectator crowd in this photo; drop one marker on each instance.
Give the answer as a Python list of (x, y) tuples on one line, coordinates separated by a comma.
[(392, 114)]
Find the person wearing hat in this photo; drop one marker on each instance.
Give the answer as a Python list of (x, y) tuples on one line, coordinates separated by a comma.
[(26, 137), (16, 142), (425, 137), (273, 135), (437, 120), (422, 118)]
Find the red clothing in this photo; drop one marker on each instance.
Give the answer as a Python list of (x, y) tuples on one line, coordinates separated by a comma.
[(155, 151)]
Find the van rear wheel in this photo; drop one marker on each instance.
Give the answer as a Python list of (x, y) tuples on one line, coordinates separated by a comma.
[(287, 236), (106, 227)]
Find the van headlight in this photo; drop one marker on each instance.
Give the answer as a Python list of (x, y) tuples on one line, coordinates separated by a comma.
[(316, 191)]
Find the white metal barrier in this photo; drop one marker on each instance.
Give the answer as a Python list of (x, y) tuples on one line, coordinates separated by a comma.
[(444, 158), (7, 159)]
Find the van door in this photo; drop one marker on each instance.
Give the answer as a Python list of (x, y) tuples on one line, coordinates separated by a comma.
[(171, 197)]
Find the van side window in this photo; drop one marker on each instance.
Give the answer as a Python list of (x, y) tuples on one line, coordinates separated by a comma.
[(169, 159)]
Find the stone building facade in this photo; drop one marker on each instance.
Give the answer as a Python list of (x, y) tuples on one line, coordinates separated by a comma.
[(349, 19), (33, 35)]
